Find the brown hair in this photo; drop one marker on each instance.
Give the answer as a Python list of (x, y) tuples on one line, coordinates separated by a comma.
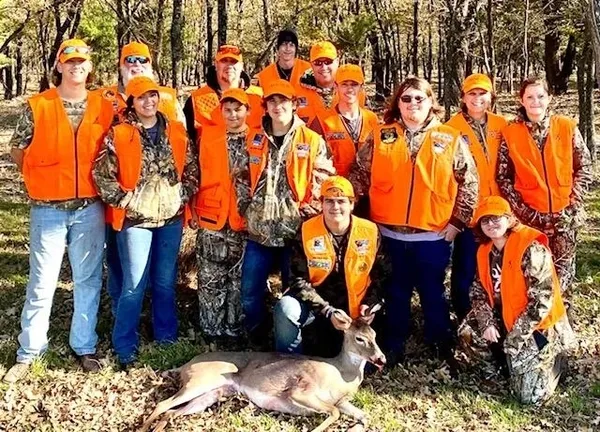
[(392, 113), (531, 81), (483, 239)]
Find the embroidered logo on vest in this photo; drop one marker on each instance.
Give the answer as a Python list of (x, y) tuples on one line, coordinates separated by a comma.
[(318, 245), (255, 160), (362, 246), (388, 135), (302, 102), (320, 263), (257, 141), (335, 136), (302, 150)]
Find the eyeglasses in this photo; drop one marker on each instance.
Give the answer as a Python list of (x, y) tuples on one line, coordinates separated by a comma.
[(229, 49), (486, 220), (77, 49), (325, 62), (409, 99), (139, 59)]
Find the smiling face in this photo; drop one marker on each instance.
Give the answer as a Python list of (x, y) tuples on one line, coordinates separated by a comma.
[(337, 210), (229, 70), (234, 114), (74, 71), (130, 70), (495, 227), (146, 105), (477, 101), (324, 70), (348, 91), (535, 99), (414, 106), (280, 108), (286, 51)]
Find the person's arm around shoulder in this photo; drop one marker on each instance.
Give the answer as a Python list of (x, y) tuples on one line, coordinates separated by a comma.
[(322, 168)]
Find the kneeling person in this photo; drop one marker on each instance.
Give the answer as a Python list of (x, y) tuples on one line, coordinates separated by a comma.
[(337, 269)]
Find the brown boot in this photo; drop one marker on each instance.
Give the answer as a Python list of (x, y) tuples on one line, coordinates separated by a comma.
[(90, 362)]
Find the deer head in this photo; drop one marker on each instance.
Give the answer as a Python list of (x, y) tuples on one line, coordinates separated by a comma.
[(359, 340)]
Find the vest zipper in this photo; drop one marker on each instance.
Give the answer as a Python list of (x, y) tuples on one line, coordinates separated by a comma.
[(547, 183), (412, 184)]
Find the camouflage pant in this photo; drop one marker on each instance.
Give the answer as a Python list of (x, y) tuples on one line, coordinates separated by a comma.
[(219, 255), (563, 246)]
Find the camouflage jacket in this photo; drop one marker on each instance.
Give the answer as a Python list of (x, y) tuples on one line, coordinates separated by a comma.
[(158, 180), (572, 216), (333, 291), (465, 173), (23, 136), (272, 212)]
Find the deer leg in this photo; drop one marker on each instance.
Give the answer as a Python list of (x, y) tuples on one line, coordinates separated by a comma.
[(313, 403), (346, 407), (191, 390)]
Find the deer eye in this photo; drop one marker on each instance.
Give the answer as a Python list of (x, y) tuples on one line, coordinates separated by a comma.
[(361, 340)]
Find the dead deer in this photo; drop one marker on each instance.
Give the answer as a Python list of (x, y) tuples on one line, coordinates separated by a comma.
[(288, 383)]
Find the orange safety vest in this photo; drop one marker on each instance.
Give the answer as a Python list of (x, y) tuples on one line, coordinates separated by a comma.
[(300, 160), (341, 144), (270, 73), (544, 179), (57, 165), (207, 110), (311, 106), (128, 147), (167, 104), (216, 201), (420, 194), (358, 261), (513, 286), (486, 162)]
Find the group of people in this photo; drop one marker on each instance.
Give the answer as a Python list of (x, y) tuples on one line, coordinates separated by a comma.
[(296, 175)]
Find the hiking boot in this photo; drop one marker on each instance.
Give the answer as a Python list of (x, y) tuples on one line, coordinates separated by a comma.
[(16, 373), (90, 362)]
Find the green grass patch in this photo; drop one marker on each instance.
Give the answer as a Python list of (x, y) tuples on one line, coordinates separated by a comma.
[(164, 357)]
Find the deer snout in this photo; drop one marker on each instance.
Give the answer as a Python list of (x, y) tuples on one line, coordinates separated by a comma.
[(378, 360)]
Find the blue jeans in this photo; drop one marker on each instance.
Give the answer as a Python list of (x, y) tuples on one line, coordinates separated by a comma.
[(82, 232), (420, 265), (114, 277), (289, 317), (148, 255), (464, 265), (256, 266)]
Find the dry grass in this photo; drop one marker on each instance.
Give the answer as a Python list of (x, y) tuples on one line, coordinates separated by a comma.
[(57, 396)]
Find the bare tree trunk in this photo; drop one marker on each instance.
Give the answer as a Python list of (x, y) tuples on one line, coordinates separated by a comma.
[(377, 69), (491, 50), (160, 31), (594, 23), (209, 36), (268, 20), (177, 43), (222, 16), (440, 59), (8, 80), (415, 39), (558, 68), (585, 87), (19, 68)]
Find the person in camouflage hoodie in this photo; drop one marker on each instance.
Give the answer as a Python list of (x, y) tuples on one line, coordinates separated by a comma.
[(277, 182)]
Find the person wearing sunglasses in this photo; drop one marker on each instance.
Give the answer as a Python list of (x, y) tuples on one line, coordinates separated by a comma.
[(517, 302), (203, 108), (287, 66), (55, 143), (483, 130), (544, 171), (146, 173), (317, 94), (278, 186), (136, 60), (221, 230), (422, 185)]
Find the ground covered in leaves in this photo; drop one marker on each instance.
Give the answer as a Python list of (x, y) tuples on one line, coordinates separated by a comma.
[(418, 396)]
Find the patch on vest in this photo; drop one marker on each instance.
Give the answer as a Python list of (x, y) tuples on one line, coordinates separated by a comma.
[(302, 150), (362, 246), (257, 140), (335, 136), (440, 141), (363, 267), (302, 102), (495, 134), (318, 245), (388, 135), (320, 263), (255, 160), (109, 94)]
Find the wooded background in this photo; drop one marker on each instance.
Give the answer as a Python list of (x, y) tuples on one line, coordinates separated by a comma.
[(440, 40)]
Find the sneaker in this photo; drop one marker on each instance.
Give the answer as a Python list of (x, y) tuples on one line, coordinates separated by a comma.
[(90, 362), (16, 373)]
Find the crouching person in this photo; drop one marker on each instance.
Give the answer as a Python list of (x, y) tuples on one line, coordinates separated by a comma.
[(146, 173), (337, 269), (517, 302)]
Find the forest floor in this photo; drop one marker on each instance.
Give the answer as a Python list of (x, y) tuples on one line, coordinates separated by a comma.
[(417, 396)]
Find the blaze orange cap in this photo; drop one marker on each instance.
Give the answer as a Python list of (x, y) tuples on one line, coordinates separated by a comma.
[(477, 81), (491, 206), (236, 94), (323, 49), (229, 51), (135, 49), (333, 183), (73, 48), (350, 72), (279, 87), (138, 85)]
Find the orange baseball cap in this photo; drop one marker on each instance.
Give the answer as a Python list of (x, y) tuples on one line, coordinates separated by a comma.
[(138, 85), (477, 81), (331, 184), (236, 94), (73, 48), (350, 72), (135, 49), (491, 206), (229, 51), (323, 49), (279, 87)]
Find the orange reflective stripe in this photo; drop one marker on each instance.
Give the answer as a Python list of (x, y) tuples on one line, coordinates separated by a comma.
[(513, 286), (57, 165), (358, 261), (420, 194), (544, 179)]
